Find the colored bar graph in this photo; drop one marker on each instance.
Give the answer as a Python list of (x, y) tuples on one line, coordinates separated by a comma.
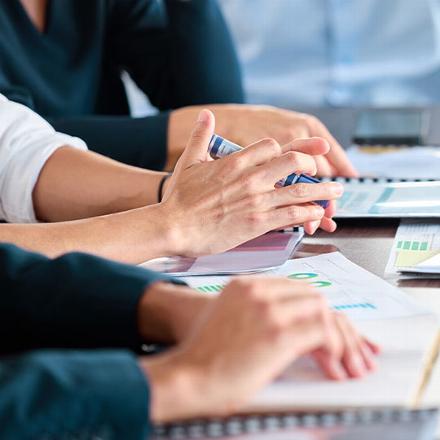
[(355, 306), (213, 288), (413, 245)]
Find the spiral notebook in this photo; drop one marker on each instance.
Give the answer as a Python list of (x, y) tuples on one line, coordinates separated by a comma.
[(388, 198), (383, 424)]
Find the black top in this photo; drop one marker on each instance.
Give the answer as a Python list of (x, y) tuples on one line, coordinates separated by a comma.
[(76, 301), (178, 52)]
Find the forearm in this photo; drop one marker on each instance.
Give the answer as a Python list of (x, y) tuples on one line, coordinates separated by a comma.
[(76, 184), (130, 237)]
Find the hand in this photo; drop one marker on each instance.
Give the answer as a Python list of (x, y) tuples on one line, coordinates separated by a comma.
[(213, 206), (243, 341), (166, 312), (245, 124)]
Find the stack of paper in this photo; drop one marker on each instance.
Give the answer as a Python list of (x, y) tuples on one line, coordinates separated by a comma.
[(396, 162), (263, 253), (416, 250)]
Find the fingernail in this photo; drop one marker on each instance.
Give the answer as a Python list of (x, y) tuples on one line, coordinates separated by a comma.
[(315, 226), (203, 116)]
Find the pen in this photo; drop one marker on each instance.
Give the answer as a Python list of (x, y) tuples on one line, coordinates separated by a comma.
[(220, 147)]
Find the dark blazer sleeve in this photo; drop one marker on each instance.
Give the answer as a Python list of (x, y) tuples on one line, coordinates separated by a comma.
[(178, 52), (65, 395), (140, 142), (74, 301)]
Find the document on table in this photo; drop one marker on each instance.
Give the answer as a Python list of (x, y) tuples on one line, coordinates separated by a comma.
[(409, 346), (348, 287), (406, 332), (396, 162), (416, 249), (390, 200), (263, 253)]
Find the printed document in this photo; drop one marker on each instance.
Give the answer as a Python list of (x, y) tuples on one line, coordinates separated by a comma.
[(348, 287)]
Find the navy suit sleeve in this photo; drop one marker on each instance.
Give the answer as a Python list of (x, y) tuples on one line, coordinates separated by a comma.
[(178, 52), (140, 142), (65, 395), (74, 301)]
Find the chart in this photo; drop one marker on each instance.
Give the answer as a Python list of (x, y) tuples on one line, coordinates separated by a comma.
[(347, 287)]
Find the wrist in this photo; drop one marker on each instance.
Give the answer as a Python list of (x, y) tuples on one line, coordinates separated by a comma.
[(174, 388), (167, 311)]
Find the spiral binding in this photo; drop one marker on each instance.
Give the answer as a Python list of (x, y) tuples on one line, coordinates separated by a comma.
[(252, 424)]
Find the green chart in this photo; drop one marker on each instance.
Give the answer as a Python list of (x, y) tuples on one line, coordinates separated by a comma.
[(309, 276), (212, 288), (306, 276), (413, 245)]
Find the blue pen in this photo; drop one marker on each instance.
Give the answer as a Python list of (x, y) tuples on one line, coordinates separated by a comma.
[(220, 147)]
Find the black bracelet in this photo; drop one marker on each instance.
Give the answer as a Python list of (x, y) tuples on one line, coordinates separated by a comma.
[(160, 189)]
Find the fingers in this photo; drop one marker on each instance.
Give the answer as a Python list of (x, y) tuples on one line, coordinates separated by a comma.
[(314, 146), (326, 224), (287, 164), (357, 357), (291, 216), (324, 168), (197, 147), (300, 193), (336, 156), (258, 153)]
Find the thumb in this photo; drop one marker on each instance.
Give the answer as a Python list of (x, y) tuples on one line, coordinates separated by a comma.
[(197, 148)]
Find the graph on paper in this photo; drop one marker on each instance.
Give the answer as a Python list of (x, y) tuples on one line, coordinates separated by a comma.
[(348, 288)]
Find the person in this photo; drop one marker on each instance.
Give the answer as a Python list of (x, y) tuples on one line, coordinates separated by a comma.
[(318, 53), (72, 327), (65, 63), (110, 209)]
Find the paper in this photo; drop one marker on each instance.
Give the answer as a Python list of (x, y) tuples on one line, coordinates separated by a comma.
[(263, 253), (400, 163), (348, 288), (392, 200), (407, 346), (416, 248)]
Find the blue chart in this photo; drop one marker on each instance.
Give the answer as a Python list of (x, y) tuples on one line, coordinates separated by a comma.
[(355, 306)]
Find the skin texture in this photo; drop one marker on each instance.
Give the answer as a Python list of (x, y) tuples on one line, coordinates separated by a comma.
[(243, 339), (208, 206), (245, 124)]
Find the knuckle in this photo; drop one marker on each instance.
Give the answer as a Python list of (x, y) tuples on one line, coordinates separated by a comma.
[(292, 158), (301, 190), (294, 212), (272, 145), (254, 219)]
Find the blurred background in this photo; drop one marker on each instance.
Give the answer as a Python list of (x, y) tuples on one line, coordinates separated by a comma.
[(334, 53)]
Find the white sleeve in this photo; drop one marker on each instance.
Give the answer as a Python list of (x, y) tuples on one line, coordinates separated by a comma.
[(26, 142)]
